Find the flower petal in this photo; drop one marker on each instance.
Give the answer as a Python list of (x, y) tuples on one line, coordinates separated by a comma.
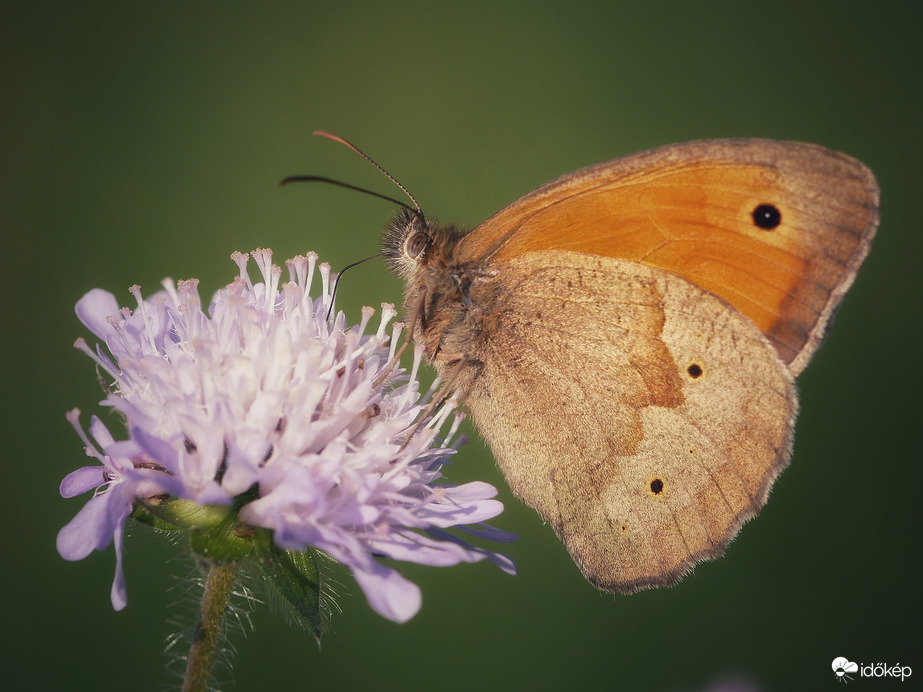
[(82, 480), (95, 309), (389, 594), (118, 593), (89, 530)]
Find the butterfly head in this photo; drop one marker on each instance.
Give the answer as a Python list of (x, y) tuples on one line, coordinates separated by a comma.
[(406, 242)]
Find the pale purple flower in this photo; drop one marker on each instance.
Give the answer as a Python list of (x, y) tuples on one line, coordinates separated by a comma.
[(264, 391)]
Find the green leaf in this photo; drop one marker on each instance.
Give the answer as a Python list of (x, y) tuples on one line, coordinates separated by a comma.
[(295, 576)]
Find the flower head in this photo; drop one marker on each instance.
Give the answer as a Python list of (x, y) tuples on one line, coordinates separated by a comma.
[(264, 404)]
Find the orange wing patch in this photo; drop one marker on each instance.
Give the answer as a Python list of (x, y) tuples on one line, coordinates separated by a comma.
[(691, 211)]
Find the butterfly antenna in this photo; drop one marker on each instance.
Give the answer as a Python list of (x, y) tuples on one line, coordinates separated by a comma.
[(340, 183), (346, 143)]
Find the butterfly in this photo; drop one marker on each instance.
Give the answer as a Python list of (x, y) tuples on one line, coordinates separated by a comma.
[(627, 337)]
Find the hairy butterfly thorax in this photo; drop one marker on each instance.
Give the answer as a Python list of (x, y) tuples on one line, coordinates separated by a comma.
[(438, 287)]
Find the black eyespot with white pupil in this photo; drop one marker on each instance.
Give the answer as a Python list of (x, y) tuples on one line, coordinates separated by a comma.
[(416, 244), (767, 216)]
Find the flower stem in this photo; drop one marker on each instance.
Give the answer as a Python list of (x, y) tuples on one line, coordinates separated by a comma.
[(218, 585)]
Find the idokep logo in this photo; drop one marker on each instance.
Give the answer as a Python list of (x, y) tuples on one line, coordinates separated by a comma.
[(842, 668), (845, 670)]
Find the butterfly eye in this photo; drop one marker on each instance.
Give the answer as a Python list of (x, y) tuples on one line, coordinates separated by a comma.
[(416, 244)]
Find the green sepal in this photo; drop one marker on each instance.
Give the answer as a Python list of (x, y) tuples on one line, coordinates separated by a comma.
[(295, 575), (228, 540), (180, 515)]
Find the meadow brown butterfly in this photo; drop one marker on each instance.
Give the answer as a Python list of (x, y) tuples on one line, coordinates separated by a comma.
[(626, 337)]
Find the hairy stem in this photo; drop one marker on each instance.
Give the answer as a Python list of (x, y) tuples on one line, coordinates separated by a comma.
[(215, 599)]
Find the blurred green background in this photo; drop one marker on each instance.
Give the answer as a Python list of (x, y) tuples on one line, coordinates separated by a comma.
[(143, 140)]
